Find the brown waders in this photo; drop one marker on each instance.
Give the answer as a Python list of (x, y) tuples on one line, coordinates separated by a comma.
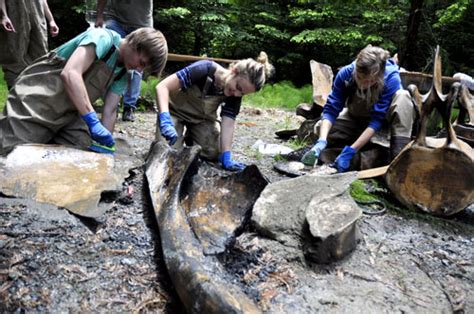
[(30, 41), (197, 113), (355, 117), (38, 109)]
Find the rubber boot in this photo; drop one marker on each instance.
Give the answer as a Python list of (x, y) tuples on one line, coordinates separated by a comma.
[(397, 143)]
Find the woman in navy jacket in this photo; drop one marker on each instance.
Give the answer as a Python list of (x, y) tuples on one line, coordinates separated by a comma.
[(367, 95)]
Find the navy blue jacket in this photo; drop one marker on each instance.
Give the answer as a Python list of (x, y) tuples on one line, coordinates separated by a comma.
[(340, 93)]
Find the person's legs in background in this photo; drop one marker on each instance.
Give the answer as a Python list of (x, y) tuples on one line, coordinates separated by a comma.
[(402, 115), (132, 93), (131, 96)]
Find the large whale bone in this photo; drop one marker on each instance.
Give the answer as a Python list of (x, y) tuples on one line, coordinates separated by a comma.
[(199, 279), (434, 175)]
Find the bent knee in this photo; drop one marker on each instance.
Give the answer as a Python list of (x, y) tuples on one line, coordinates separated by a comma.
[(210, 153)]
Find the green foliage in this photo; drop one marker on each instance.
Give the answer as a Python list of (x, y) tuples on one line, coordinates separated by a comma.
[(286, 124), (3, 91), (278, 158), (297, 143), (329, 37), (175, 13), (359, 192), (300, 16), (271, 32), (148, 88), (279, 95), (452, 14), (294, 32)]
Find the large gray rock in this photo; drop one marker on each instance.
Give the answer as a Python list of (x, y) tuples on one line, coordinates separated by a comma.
[(313, 212)]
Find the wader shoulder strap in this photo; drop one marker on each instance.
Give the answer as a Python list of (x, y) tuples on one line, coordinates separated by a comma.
[(209, 81), (120, 74), (109, 54)]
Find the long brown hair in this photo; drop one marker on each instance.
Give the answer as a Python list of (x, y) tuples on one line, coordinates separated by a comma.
[(370, 63)]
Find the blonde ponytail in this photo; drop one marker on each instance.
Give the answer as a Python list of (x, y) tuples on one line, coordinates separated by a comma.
[(257, 72)]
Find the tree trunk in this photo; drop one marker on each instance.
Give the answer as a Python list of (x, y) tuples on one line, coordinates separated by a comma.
[(408, 53)]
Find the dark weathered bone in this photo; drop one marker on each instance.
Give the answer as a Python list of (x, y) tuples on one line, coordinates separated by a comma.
[(424, 81), (198, 279), (306, 131), (464, 124), (466, 107), (286, 134), (218, 205), (322, 77), (434, 175)]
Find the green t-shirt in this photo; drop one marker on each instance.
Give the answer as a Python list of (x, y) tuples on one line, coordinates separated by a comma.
[(103, 40)]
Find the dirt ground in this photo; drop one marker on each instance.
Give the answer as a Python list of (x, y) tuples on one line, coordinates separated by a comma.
[(53, 261)]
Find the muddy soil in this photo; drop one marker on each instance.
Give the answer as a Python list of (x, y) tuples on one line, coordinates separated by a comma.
[(53, 261)]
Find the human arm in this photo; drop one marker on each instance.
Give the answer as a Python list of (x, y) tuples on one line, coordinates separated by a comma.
[(80, 60), (71, 75), (182, 79), (331, 111), (53, 27), (339, 92), (163, 89), (227, 136), (109, 113), (227, 133), (99, 21), (6, 23)]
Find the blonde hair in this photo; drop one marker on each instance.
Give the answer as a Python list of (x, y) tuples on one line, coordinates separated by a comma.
[(257, 71), (370, 62), (151, 42)]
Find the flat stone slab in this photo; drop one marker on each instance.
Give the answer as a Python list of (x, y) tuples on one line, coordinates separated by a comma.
[(312, 212), (63, 176)]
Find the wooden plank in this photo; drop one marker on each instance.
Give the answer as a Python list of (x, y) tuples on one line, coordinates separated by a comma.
[(372, 173), (179, 57), (421, 76)]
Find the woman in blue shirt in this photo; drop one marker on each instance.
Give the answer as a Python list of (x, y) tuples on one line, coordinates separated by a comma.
[(366, 95)]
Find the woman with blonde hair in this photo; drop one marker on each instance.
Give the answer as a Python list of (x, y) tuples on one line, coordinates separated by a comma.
[(189, 100), (366, 96)]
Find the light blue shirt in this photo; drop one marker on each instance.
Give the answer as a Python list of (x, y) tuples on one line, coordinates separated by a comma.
[(103, 40)]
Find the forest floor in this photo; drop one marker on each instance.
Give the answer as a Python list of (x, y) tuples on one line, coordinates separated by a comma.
[(405, 261)]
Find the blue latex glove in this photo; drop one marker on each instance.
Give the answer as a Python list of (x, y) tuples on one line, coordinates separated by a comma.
[(343, 161), (98, 131), (312, 155), (167, 128), (228, 164)]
